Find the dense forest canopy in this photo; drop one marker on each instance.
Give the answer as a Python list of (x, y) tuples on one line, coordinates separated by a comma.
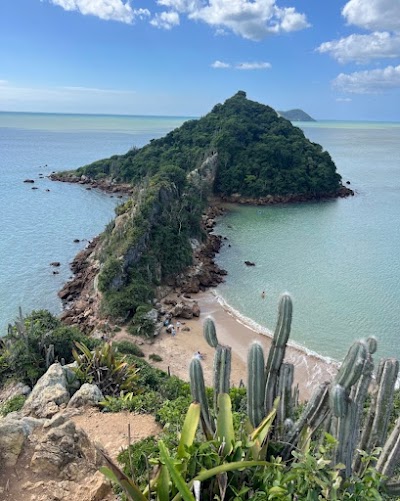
[(259, 154)]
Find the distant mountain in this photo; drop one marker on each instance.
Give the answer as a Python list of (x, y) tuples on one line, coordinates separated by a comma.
[(296, 116)]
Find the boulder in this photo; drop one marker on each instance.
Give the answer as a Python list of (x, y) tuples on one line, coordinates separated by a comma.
[(12, 438), (64, 451), (49, 393), (13, 433), (88, 394)]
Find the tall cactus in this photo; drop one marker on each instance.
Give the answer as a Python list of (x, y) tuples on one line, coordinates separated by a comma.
[(285, 393), (255, 384), (210, 333), (376, 425), (277, 351), (199, 394), (222, 371)]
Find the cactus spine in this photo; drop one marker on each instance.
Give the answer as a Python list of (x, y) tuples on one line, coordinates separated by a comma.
[(255, 384), (277, 351), (209, 332)]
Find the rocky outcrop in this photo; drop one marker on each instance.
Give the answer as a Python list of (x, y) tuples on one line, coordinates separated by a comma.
[(236, 198), (63, 450), (107, 185), (14, 430), (87, 395), (49, 395)]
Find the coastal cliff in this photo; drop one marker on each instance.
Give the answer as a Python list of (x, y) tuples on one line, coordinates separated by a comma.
[(241, 151)]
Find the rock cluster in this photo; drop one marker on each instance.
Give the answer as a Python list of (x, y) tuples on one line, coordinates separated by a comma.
[(44, 442), (106, 185)]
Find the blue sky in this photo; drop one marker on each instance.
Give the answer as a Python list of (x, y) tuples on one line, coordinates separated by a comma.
[(334, 59)]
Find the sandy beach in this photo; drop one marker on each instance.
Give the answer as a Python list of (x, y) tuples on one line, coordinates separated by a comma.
[(177, 351)]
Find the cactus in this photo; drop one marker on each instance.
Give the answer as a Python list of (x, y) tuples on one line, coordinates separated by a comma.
[(277, 351), (199, 394), (285, 407), (390, 455), (376, 425), (222, 371), (255, 384), (315, 412), (209, 332), (353, 364)]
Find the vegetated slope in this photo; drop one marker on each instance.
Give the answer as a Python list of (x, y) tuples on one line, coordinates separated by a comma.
[(296, 115), (259, 154), (240, 147)]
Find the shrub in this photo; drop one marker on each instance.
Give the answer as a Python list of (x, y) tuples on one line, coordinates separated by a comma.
[(144, 403), (172, 412), (13, 404), (103, 367), (155, 357), (129, 348)]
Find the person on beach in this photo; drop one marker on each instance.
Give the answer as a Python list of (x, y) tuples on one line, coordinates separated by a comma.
[(173, 332), (198, 355), (178, 324)]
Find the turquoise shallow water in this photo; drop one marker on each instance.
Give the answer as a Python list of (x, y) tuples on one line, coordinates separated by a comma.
[(339, 259), (38, 227)]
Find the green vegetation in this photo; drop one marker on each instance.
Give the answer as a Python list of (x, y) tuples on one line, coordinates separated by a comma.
[(33, 343), (105, 368), (155, 357), (11, 405), (128, 348)]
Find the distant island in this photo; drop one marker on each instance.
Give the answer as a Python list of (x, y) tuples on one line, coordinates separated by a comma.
[(296, 115), (241, 151)]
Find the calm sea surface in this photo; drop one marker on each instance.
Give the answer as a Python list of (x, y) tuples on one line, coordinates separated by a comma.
[(39, 226), (339, 259)]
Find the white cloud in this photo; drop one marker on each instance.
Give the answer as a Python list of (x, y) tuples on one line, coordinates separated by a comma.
[(166, 20), (251, 19), (363, 48), (3, 82), (241, 66), (220, 64), (253, 66), (343, 99), (116, 10), (373, 14), (370, 81)]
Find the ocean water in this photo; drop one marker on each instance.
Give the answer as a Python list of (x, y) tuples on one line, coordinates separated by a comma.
[(39, 226), (339, 259)]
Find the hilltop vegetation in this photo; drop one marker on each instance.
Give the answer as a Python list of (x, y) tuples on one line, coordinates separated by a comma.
[(259, 154)]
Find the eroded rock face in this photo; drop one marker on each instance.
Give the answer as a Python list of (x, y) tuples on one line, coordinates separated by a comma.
[(13, 432), (87, 395), (49, 394), (63, 450)]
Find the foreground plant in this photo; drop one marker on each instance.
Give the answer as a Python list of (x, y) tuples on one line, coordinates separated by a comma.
[(106, 368)]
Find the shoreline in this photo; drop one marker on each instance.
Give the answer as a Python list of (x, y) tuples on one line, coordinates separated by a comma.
[(176, 352)]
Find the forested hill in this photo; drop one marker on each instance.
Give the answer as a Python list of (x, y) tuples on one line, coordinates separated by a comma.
[(296, 116), (258, 154)]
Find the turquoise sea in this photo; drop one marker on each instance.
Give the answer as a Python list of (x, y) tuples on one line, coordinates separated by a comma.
[(339, 259)]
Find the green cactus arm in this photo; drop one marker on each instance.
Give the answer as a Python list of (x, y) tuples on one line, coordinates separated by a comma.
[(199, 395), (255, 384), (210, 333)]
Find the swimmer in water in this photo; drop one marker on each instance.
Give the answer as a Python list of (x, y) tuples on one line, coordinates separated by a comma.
[(263, 294)]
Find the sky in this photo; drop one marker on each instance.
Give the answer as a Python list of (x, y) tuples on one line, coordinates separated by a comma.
[(334, 59)]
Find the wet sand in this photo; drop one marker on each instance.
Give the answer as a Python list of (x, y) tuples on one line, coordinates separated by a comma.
[(177, 351)]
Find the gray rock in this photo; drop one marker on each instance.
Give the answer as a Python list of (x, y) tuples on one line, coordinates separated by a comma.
[(49, 393), (12, 438), (88, 394), (64, 451)]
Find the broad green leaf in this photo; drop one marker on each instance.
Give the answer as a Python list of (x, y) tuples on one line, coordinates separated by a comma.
[(163, 484), (225, 432), (189, 429), (174, 474)]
